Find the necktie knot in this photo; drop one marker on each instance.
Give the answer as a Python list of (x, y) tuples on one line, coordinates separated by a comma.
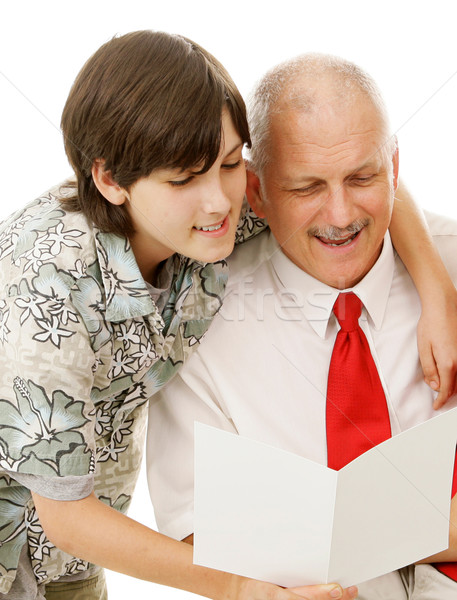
[(347, 309)]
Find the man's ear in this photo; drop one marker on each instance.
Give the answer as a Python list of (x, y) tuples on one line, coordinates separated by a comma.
[(254, 194), (396, 163), (106, 185)]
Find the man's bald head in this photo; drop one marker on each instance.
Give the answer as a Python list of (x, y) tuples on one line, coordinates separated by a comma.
[(312, 84)]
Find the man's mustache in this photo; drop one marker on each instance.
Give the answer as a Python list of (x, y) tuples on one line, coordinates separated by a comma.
[(336, 233)]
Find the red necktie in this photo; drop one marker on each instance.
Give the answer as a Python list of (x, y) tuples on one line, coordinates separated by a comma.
[(356, 415)]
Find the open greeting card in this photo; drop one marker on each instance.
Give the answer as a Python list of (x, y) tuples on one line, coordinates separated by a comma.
[(268, 514)]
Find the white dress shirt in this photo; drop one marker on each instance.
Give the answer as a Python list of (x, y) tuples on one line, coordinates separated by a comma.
[(262, 369)]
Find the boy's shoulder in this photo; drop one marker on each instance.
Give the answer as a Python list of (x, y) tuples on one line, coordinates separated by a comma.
[(45, 233)]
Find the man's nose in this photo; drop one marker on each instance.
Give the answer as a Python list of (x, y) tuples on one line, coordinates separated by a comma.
[(338, 208)]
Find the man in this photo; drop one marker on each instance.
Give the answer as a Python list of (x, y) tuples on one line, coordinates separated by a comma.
[(325, 169)]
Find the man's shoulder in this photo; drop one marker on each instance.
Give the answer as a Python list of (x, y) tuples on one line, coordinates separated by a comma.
[(444, 232), (441, 225), (248, 257)]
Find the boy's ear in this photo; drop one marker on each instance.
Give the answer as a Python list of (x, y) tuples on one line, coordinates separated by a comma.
[(106, 185), (254, 193)]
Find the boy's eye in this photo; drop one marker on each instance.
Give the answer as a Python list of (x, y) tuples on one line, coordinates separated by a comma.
[(181, 182), (234, 165)]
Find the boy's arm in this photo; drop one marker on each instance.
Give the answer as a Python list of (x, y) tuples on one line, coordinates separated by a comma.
[(97, 533), (437, 329)]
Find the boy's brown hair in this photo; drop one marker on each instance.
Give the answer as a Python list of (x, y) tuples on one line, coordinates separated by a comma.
[(143, 101)]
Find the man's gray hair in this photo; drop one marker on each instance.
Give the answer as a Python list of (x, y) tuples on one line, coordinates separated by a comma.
[(282, 87)]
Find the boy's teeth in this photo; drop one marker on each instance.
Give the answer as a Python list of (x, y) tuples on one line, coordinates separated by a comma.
[(211, 228)]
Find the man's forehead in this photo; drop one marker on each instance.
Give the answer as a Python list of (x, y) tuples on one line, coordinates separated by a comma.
[(352, 150), (328, 131)]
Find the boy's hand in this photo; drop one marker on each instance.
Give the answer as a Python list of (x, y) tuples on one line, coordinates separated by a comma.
[(437, 345), (250, 589)]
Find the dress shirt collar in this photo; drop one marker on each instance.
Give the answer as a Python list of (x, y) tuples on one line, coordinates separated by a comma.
[(316, 299)]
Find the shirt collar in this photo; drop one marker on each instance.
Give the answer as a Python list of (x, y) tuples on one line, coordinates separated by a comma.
[(126, 294), (316, 299)]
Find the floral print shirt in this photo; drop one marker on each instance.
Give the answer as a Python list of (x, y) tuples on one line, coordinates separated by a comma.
[(82, 347)]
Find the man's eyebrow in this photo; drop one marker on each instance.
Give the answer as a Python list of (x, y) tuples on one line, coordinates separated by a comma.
[(301, 180), (373, 163)]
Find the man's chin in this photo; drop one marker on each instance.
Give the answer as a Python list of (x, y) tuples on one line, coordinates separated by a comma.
[(342, 276)]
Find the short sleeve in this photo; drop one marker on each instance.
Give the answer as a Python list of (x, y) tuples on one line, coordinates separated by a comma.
[(57, 488)]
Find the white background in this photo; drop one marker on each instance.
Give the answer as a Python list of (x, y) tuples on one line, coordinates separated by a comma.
[(409, 47)]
